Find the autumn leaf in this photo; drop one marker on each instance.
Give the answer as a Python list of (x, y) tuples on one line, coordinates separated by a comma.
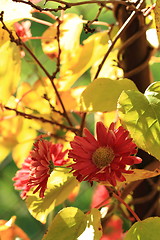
[(10, 231), (71, 223), (60, 184), (9, 73), (107, 93), (70, 30)]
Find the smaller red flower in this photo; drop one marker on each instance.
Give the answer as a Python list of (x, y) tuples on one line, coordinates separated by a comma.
[(113, 230), (22, 176), (104, 159), (38, 167)]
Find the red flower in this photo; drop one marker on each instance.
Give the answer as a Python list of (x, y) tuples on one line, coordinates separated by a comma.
[(38, 167), (113, 229), (22, 176), (104, 159)]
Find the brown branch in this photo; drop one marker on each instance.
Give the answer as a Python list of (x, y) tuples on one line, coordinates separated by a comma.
[(89, 23), (82, 124), (19, 42), (66, 5), (145, 198), (44, 120), (117, 196), (59, 50), (101, 3), (118, 35)]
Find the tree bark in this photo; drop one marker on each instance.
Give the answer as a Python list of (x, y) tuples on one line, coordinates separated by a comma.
[(133, 59)]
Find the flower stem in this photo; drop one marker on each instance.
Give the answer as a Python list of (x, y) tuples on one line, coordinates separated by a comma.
[(127, 206)]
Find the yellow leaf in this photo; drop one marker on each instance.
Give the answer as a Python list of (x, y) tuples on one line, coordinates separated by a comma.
[(10, 70), (71, 98), (138, 174), (71, 223), (93, 229), (15, 131), (25, 139), (60, 185), (107, 118), (109, 68), (93, 48), (68, 224), (70, 30), (107, 94), (32, 96)]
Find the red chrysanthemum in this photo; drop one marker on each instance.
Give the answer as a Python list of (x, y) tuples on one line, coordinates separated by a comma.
[(38, 167), (104, 159)]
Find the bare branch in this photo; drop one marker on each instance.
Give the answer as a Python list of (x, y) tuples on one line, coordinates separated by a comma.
[(66, 5), (44, 120), (120, 32), (18, 41)]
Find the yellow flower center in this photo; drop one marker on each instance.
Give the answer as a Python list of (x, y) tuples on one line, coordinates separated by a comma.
[(103, 156)]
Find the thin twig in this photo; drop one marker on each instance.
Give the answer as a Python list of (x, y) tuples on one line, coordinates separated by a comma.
[(41, 21), (49, 14), (18, 41), (82, 123), (30, 116), (120, 32), (127, 206), (65, 5), (89, 23), (59, 50)]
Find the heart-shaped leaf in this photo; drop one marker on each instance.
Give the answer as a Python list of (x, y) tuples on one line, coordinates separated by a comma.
[(140, 114), (102, 94), (69, 223), (147, 229)]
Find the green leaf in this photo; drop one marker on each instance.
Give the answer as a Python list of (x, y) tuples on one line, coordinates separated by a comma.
[(93, 229), (140, 114), (60, 184), (147, 229), (69, 223), (102, 94)]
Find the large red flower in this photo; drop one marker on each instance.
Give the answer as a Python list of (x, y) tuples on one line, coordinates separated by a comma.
[(104, 159), (38, 167)]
